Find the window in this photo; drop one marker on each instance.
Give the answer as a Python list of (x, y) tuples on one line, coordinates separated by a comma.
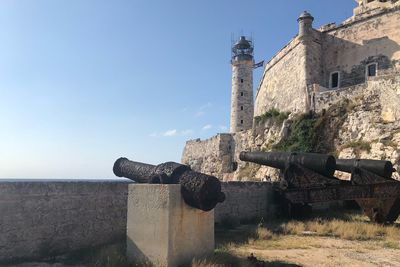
[(241, 121), (241, 93), (241, 107), (241, 80), (371, 70), (334, 81)]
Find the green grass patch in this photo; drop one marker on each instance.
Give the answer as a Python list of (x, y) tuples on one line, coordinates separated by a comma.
[(358, 146), (274, 114)]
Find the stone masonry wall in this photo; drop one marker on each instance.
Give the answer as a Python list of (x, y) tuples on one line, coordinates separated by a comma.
[(245, 201), (384, 90), (44, 218), (371, 126), (219, 155), (283, 85), (212, 156), (353, 45)]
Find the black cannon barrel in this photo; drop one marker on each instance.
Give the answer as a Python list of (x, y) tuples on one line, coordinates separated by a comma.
[(382, 168), (199, 190), (320, 163)]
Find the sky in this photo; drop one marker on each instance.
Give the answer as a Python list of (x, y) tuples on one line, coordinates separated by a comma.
[(84, 82)]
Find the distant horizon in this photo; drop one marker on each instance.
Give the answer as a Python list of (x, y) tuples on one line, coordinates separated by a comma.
[(83, 83)]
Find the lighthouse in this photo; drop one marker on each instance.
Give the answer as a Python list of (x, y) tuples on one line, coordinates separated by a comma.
[(242, 106)]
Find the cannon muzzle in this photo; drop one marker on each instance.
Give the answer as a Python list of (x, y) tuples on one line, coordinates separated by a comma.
[(199, 190), (381, 168), (320, 163)]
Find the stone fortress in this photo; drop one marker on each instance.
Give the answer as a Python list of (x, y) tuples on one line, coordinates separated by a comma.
[(347, 75)]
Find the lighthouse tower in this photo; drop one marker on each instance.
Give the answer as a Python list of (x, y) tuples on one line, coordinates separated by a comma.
[(242, 107)]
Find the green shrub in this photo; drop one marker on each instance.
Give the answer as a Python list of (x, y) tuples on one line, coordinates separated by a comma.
[(274, 114), (303, 135)]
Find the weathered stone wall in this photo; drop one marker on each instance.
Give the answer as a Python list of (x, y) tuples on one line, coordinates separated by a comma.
[(212, 156), (44, 218), (383, 91), (370, 127), (219, 155), (245, 201), (283, 85), (349, 48)]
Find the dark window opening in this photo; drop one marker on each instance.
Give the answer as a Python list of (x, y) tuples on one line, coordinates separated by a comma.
[(371, 70), (234, 166), (241, 80), (335, 80), (241, 93), (241, 121), (241, 107)]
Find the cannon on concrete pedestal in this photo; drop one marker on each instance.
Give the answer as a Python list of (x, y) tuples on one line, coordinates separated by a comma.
[(198, 190)]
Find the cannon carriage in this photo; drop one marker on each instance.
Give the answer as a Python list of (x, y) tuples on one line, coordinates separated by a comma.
[(308, 178)]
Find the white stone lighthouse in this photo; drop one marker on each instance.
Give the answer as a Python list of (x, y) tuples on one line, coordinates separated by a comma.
[(242, 107)]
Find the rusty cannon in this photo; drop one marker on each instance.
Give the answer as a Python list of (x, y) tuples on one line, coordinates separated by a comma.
[(300, 170), (309, 178), (198, 190)]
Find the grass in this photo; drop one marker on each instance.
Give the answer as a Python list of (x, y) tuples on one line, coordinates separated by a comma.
[(236, 242), (344, 230), (357, 146), (274, 114)]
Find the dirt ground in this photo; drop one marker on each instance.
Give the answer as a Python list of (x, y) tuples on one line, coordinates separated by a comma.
[(322, 251)]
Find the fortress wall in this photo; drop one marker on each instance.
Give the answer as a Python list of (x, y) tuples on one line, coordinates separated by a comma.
[(42, 218), (212, 156), (245, 201), (384, 91), (283, 85), (350, 47)]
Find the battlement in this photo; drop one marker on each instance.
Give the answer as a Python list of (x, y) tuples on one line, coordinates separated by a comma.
[(373, 6)]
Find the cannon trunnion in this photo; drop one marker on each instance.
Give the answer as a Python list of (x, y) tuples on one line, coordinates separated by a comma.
[(198, 190), (309, 178)]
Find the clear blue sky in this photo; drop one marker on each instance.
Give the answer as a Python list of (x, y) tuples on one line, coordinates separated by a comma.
[(83, 82)]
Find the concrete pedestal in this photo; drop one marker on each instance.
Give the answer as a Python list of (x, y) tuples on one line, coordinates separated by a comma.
[(163, 229)]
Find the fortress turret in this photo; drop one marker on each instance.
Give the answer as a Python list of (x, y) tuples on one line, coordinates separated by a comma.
[(305, 23), (242, 107)]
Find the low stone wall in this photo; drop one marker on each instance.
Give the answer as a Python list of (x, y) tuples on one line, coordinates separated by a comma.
[(40, 218), (245, 201), (43, 218)]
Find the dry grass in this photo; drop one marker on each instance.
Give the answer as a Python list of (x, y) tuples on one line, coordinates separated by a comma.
[(341, 229), (235, 243)]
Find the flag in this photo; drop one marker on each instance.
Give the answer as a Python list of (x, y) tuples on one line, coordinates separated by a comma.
[(258, 65)]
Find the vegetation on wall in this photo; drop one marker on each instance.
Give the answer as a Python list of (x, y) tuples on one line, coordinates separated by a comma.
[(274, 114), (316, 132), (358, 146), (303, 135)]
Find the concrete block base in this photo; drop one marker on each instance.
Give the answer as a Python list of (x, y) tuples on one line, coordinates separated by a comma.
[(163, 229)]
